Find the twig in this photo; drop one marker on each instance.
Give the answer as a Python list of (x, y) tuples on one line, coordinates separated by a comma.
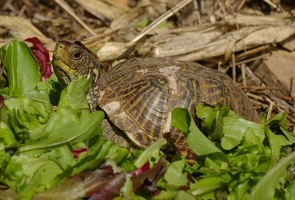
[(241, 5), (22, 11), (197, 9), (259, 88), (243, 74), (273, 5), (291, 86), (250, 59), (270, 108), (253, 51), (254, 96), (286, 98), (67, 8), (234, 68), (155, 23)]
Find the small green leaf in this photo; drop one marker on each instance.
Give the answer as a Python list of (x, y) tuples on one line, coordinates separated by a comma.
[(150, 153), (6, 135), (276, 142), (235, 128), (165, 195), (143, 23), (280, 118), (74, 94), (203, 111), (184, 195), (180, 119), (205, 185), (198, 142), (174, 175)]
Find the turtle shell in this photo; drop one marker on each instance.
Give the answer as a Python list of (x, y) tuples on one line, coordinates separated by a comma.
[(138, 96)]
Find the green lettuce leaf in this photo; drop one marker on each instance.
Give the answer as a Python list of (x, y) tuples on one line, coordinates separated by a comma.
[(234, 129), (65, 126), (74, 94), (25, 114), (196, 140), (266, 187), (21, 69), (151, 153), (39, 178), (174, 176), (6, 136)]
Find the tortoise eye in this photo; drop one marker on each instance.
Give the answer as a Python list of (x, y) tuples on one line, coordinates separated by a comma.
[(76, 55)]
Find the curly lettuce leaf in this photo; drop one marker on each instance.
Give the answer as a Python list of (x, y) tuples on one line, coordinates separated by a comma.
[(39, 178), (38, 139), (66, 126), (105, 183), (7, 138), (249, 151), (26, 114)]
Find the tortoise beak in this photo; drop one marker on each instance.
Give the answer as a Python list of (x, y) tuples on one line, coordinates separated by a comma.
[(61, 63), (60, 56)]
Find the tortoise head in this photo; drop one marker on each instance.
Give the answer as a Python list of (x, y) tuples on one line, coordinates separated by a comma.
[(73, 59)]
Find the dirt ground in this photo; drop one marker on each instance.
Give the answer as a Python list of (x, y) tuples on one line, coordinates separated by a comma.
[(252, 41)]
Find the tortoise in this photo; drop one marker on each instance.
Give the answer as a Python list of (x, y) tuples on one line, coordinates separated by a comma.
[(139, 94)]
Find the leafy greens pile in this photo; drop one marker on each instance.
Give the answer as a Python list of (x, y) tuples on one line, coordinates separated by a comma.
[(52, 147)]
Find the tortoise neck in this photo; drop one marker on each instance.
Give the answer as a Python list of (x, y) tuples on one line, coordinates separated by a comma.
[(93, 94)]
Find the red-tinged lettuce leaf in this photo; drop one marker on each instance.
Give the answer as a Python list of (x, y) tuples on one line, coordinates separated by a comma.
[(147, 180), (76, 152), (141, 170), (103, 183), (99, 184), (109, 188), (42, 56), (96, 155), (3, 82), (1, 101)]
